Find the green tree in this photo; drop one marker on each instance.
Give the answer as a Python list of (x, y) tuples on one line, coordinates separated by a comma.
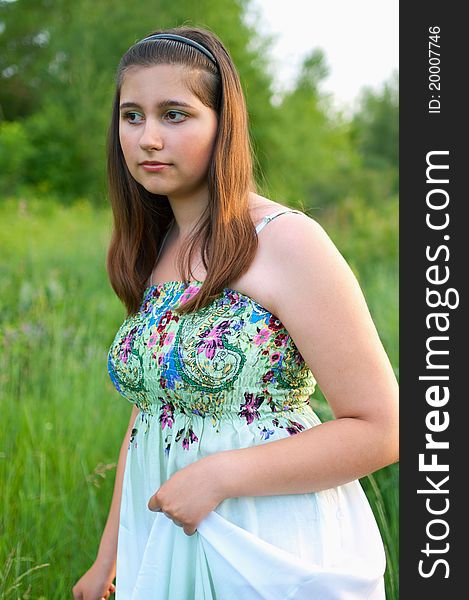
[(375, 132), (312, 159), (26, 55), (68, 120)]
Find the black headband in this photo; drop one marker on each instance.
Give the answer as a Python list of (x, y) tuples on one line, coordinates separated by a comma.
[(180, 38)]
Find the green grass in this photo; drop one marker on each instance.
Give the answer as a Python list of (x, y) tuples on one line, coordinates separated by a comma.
[(64, 422)]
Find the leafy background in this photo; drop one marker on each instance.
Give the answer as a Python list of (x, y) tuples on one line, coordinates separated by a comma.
[(63, 420)]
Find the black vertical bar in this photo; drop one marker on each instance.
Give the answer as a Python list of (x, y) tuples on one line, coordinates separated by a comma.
[(434, 272)]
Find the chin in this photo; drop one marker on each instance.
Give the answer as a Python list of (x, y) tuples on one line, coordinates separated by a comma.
[(154, 189)]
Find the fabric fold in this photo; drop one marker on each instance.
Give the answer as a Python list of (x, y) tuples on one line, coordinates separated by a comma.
[(257, 570)]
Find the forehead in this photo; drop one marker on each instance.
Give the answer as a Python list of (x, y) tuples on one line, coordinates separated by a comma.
[(155, 82)]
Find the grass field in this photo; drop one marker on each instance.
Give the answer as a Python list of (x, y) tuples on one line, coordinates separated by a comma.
[(63, 421)]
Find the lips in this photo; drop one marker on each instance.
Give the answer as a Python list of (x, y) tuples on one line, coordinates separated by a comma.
[(153, 163), (155, 167)]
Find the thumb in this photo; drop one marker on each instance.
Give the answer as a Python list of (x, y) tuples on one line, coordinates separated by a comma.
[(154, 503)]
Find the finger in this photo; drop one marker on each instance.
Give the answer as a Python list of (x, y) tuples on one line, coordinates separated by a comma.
[(154, 505), (189, 530)]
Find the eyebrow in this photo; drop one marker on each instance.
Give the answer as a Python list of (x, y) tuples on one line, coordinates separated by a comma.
[(161, 104)]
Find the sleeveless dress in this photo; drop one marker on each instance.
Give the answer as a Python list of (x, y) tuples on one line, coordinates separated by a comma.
[(228, 376)]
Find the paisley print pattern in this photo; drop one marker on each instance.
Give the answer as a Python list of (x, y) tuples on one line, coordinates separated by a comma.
[(232, 360), (207, 359)]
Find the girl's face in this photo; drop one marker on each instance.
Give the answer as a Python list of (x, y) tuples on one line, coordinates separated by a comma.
[(163, 121)]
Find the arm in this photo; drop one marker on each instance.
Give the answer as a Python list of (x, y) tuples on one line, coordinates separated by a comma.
[(320, 302), (108, 547), (315, 295)]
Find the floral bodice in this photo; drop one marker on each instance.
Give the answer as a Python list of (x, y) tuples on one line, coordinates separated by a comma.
[(232, 360)]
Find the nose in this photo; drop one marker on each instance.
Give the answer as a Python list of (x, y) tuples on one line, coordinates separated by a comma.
[(152, 135)]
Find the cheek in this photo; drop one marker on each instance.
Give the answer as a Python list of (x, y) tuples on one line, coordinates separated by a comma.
[(123, 141), (199, 148), (126, 145), (128, 153)]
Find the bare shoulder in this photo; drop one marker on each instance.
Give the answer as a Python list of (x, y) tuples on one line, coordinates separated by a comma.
[(293, 250), (256, 282), (301, 277), (261, 206), (296, 262), (319, 301), (306, 267)]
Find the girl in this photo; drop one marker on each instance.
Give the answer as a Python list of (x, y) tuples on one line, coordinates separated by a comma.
[(228, 485)]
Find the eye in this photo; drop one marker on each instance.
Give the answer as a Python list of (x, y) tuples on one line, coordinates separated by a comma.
[(175, 112), (172, 115), (129, 114)]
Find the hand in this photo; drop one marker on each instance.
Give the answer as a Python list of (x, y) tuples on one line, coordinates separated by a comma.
[(96, 583), (191, 493)]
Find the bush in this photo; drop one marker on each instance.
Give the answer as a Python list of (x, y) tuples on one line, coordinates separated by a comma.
[(16, 150)]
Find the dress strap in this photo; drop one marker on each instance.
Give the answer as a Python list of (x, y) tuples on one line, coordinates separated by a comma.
[(260, 226), (269, 218)]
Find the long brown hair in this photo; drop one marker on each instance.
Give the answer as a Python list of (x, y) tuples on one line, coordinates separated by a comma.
[(226, 231)]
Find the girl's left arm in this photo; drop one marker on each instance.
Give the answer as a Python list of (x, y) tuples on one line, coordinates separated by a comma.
[(320, 302)]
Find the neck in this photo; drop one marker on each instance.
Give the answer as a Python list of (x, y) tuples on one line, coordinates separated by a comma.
[(187, 211)]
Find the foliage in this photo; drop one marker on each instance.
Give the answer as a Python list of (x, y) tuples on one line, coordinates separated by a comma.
[(27, 60), (57, 68), (16, 153), (58, 315), (57, 311), (366, 234), (70, 116), (375, 130), (311, 159)]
